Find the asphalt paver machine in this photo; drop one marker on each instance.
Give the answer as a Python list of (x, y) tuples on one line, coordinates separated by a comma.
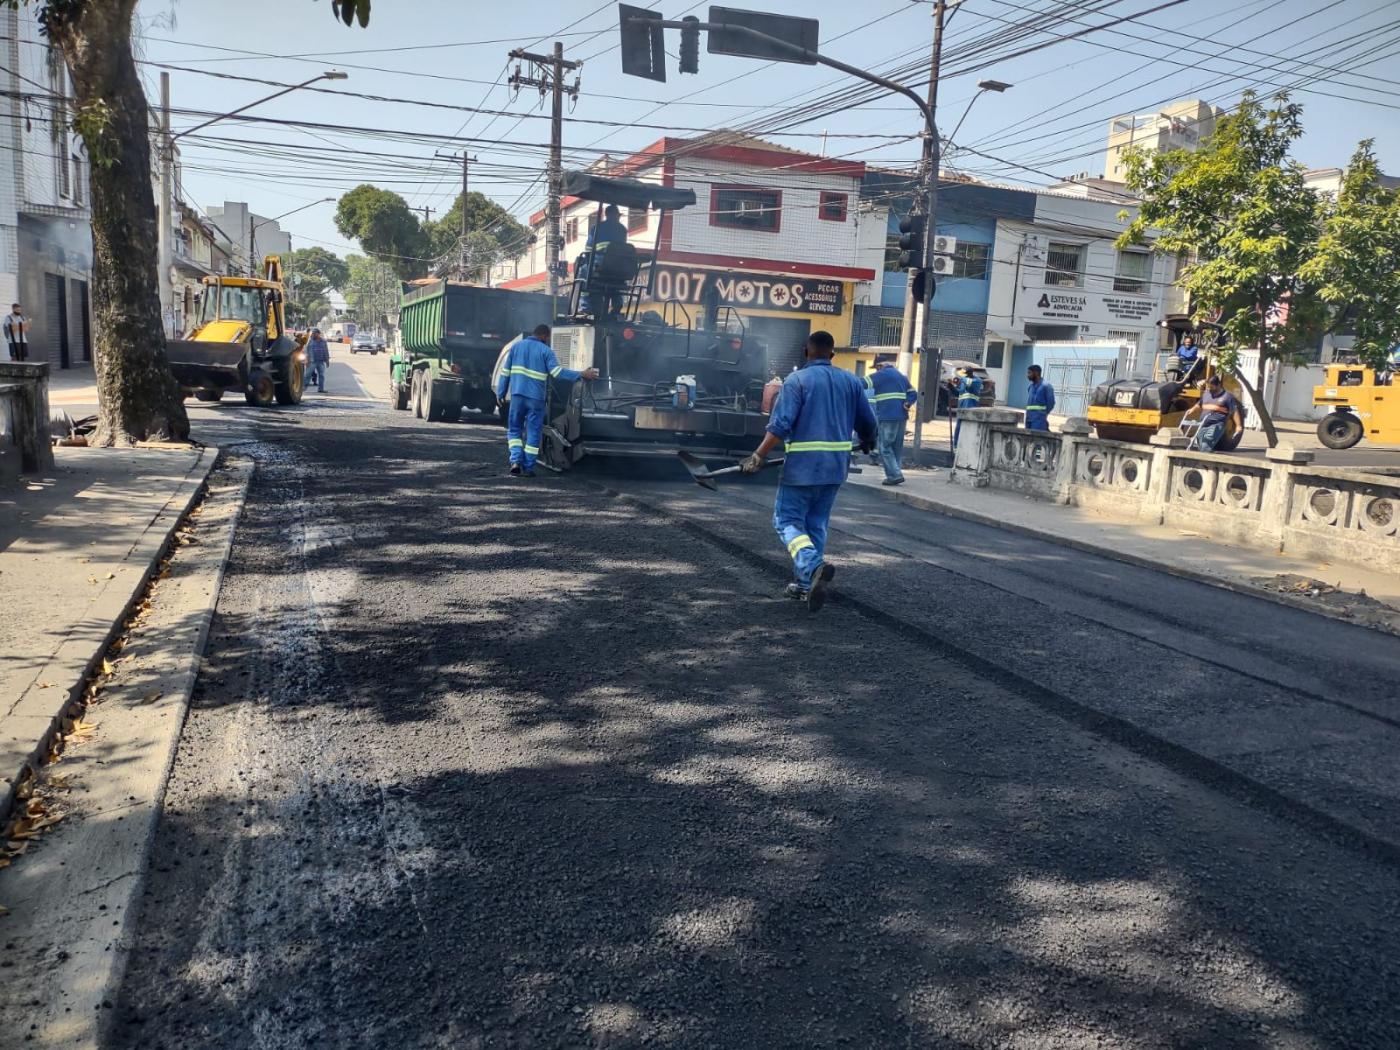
[(670, 380)]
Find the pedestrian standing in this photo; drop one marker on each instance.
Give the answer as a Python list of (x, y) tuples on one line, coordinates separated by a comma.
[(967, 388), (529, 366), (893, 395), (318, 354), (1215, 408), (1040, 400), (819, 408), (17, 333)]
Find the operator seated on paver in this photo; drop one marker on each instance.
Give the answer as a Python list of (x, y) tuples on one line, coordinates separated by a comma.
[(1188, 356), (1216, 407), (1040, 400), (893, 396), (816, 412), (529, 366), (609, 240), (968, 390)]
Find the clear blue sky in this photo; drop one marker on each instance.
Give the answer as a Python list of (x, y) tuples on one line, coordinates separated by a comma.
[(452, 53)]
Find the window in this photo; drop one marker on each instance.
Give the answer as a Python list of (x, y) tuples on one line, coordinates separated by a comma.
[(970, 260), (891, 252), (832, 207), (745, 208), (78, 183), (571, 230), (996, 355), (1134, 272), (636, 220), (1064, 265)]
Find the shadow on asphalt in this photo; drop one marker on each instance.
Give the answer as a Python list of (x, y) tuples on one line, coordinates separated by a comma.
[(571, 778)]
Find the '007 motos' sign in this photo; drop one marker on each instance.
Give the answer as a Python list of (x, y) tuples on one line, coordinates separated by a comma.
[(748, 290)]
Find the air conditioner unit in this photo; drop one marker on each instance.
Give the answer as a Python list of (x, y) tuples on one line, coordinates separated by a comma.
[(944, 245), (943, 264)]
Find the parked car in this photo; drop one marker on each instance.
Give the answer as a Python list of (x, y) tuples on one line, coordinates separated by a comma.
[(365, 345)]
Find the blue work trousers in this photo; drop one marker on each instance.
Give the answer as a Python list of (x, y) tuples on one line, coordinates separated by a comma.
[(892, 446), (1037, 421), (800, 516), (523, 427)]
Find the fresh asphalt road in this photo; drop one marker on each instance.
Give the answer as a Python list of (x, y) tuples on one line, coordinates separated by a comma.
[(478, 762)]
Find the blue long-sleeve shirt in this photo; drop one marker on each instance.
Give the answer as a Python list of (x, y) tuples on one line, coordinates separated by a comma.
[(529, 366), (816, 412), (969, 391), (891, 392), (1040, 402)]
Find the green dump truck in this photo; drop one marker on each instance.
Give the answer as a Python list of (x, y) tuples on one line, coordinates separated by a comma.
[(452, 334)]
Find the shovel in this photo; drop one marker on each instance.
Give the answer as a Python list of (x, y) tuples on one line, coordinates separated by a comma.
[(704, 476)]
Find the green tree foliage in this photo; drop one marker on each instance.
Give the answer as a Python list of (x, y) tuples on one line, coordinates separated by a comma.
[(383, 225), (492, 233), (1239, 208), (1281, 263), (310, 274), (1356, 266), (371, 290)]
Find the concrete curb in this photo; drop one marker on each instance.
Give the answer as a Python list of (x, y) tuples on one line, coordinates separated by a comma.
[(1127, 558), (104, 618), (83, 889)]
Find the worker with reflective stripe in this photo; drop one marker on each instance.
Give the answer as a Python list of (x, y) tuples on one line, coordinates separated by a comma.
[(529, 365), (1040, 400), (968, 390), (893, 395), (815, 414)]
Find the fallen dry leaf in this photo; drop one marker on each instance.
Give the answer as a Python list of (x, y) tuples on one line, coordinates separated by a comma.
[(106, 666), (45, 685)]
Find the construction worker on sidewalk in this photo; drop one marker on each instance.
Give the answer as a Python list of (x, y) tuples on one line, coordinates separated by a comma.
[(819, 408), (968, 390), (529, 366), (1040, 400), (893, 395)]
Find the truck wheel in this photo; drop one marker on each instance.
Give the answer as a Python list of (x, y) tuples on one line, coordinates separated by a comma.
[(1340, 430), (290, 388), (262, 390), (415, 397), (398, 396), (210, 396)]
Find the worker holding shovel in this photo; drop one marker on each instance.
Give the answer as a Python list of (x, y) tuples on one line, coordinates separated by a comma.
[(816, 412)]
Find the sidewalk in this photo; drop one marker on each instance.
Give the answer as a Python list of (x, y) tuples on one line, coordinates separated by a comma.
[(1363, 596), (76, 548)]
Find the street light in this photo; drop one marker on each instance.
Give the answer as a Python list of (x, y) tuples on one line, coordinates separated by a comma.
[(983, 86), (330, 74), (253, 229)]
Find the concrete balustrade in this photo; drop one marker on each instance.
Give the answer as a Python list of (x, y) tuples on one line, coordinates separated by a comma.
[(24, 419)]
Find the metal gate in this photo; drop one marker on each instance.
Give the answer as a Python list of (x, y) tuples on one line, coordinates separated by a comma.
[(80, 326), (1074, 379), (56, 320), (786, 338)]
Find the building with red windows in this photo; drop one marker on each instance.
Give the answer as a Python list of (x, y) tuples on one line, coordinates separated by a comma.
[(777, 232)]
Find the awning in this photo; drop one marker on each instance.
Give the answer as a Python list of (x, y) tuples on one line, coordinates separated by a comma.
[(626, 193)]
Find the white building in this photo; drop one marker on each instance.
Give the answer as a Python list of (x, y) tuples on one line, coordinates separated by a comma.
[(45, 230), (242, 228), (1177, 125)]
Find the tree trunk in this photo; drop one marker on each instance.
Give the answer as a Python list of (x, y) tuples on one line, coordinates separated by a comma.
[(138, 399)]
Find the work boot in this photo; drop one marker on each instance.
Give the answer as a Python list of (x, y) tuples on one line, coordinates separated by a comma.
[(821, 582), (515, 470), (796, 592), (893, 481)]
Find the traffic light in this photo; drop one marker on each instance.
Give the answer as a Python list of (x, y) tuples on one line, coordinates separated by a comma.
[(911, 242), (643, 46), (690, 45)]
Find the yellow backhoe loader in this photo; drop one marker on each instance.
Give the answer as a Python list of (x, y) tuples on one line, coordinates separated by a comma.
[(240, 342)]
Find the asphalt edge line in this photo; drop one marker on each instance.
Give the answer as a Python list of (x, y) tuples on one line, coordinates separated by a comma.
[(1239, 587), (124, 941), (1177, 758), (203, 466)]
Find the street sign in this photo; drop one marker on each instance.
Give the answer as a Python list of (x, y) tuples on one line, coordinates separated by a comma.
[(798, 32), (643, 46)]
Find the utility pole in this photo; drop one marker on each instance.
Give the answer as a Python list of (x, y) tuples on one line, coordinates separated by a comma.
[(427, 212), (547, 75), (164, 212), (915, 305), (467, 160), (252, 244)]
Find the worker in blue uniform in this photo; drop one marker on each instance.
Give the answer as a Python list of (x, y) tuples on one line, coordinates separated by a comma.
[(893, 396), (1040, 400), (529, 366), (816, 412), (967, 388)]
